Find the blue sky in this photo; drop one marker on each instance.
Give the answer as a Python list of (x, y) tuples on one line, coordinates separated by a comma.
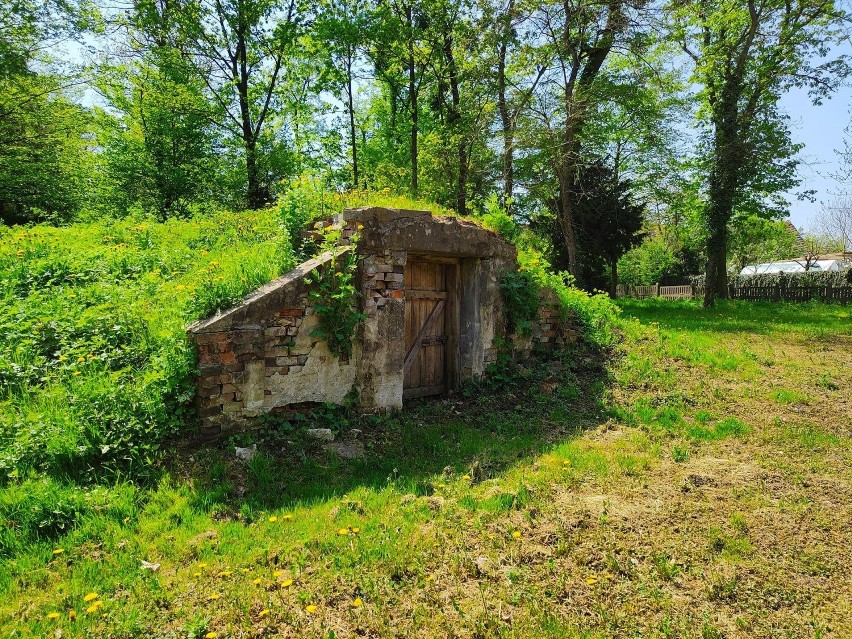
[(821, 130)]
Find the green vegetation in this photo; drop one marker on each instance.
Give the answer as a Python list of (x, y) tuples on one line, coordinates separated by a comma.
[(678, 473), (95, 367), (335, 297), (620, 124), (507, 493), (520, 296)]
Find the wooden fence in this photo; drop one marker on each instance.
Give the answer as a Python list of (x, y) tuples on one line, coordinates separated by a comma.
[(776, 293)]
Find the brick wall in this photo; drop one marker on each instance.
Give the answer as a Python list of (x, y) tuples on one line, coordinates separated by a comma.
[(551, 330), (262, 353)]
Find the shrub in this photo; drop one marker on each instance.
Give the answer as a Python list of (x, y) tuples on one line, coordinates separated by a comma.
[(520, 297), (334, 296), (595, 312), (809, 278)]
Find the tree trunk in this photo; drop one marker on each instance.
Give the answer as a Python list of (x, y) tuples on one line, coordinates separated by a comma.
[(566, 216), (724, 178), (352, 132), (255, 198), (412, 98), (503, 108), (613, 277), (455, 125)]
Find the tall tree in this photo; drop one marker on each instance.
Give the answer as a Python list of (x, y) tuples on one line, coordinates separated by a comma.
[(607, 222), (580, 35), (44, 134), (240, 49), (517, 68), (745, 55), (159, 151), (342, 28), (408, 54)]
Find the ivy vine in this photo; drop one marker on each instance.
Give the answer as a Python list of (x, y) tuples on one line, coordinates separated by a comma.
[(334, 296), (520, 297)]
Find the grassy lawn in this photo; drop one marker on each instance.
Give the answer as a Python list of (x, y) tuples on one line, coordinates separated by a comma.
[(694, 482)]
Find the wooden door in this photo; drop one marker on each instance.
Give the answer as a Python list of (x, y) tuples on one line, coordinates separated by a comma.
[(429, 308)]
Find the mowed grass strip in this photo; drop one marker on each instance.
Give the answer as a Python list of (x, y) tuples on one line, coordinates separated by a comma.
[(661, 494)]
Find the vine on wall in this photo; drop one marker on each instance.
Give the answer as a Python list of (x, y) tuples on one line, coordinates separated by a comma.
[(520, 296), (334, 295)]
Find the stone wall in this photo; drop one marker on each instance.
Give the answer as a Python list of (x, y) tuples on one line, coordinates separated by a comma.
[(551, 330), (260, 356)]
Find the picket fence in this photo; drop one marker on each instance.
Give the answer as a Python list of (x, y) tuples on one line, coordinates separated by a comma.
[(776, 293)]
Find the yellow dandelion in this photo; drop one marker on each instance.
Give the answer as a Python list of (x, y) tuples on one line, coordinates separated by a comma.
[(516, 534), (104, 616), (53, 615), (225, 573), (245, 571), (355, 530), (343, 531), (94, 607), (566, 462), (91, 597), (311, 608), (466, 477), (210, 635), (196, 574), (77, 373), (608, 575), (81, 359), (256, 582), (278, 573), (273, 519), (592, 581), (72, 615), (213, 597), (430, 578), (202, 565), (58, 551), (286, 583), (286, 517), (62, 358), (357, 603), (263, 613)]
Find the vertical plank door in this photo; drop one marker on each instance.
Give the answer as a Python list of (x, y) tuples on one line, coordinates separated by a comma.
[(426, 303)]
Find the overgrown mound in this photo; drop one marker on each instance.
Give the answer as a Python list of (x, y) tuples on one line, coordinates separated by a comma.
[(95, 367)]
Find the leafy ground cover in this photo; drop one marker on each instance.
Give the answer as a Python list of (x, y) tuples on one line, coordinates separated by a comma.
[(95, 369), (691, 482)]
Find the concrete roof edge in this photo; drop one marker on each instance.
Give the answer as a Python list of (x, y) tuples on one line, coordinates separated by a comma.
[(219, 321)]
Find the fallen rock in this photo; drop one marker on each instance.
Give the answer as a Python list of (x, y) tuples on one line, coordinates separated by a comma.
[(322, 434), (246, 453)]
